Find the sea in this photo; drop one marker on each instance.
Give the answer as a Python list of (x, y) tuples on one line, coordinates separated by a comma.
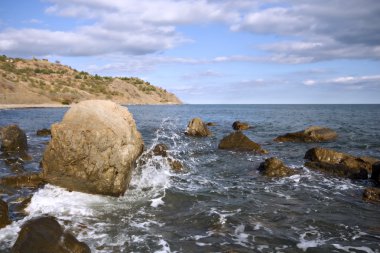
[(219, 202)]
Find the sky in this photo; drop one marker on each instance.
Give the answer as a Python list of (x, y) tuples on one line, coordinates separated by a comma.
[(210, 51)]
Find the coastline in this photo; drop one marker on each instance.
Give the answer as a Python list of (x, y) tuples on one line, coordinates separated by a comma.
[(18, 106)]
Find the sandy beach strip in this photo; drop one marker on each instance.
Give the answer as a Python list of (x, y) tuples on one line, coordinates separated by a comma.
[(17, 106)]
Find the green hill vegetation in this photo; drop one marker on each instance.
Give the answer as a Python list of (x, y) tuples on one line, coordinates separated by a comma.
[(35, 81)]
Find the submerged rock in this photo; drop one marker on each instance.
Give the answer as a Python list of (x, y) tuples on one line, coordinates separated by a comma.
[(175, 165), (239, 142), (310, 134), (274, 167), (197, 127), (33, 180), (338, 164), (13, 139), (238, 126), (94, 149), (211, 124), (45, 235), (372, 194), (160, 150), (43, 132), (4, 217)]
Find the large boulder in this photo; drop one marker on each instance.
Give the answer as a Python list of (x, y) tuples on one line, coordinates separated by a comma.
[(238, 126), (239, 142), (372, 194), (338, 164), (13, 139), (93, 149), (197, 127), (274, 167), (4, 217), (310, 134), (375, 175), (45, 235)]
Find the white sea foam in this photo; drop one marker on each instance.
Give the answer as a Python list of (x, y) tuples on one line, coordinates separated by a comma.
[(351, 248), (165, 247), (240, 237), (313, 242)]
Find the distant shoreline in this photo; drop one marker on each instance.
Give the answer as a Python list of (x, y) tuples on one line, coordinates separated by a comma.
[(17, 106)]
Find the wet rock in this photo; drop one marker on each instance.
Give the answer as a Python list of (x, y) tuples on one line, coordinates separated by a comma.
[(4, 217), (238, 126), (33, 180), (13, 139), (375, 176), (21, 204), (16, 164), (175, 165), (45, 235), (239, 142), (43, 132), (94, 149), (197, 127), (372, 194), (310, 134), (274, 167), (160, 150), (338, 164)]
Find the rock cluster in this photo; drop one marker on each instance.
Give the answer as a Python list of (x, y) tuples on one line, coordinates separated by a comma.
[(93, 149), (310, 134), (45, 235)]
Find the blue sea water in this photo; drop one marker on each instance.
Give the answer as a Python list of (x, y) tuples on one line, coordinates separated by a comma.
[(219, 203)]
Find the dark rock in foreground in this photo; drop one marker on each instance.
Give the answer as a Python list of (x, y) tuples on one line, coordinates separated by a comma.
[(338, 164), (239, 142), (94, 149), (33, 180), (198, 128), (45, 235), (310, 134), (43, 132), (372, 194), (13, 139), (4, 217), (375, 176), (238, 126), (274, 167)]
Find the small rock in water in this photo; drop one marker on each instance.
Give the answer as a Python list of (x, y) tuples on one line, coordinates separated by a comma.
[(337, 163), (372, 194), (4, 216), (160, 150), (211, 124), (310, 134), (375, 176), (197, 127), (274, 167), (238, 126), (13, 139), (175, 165), (239, 142), (43, 132), (45, 235), (33, 180)]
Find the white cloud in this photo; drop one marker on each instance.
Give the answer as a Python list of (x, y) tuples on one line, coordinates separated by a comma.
[(350, 82), (309, 82)]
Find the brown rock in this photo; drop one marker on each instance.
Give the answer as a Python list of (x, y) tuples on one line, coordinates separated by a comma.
[(13, 139), (310, 134), (239, 142), (43, 132), (160, 150), (4, 217), (211, 124), (196, 127), (375, 176), (94, 149), (33, 180), (274, 167), (338, 164), (175, 165), (372, 194), (238, 126), (45, 235)]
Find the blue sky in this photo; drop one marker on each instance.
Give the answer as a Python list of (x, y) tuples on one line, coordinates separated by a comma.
[(210, 51)]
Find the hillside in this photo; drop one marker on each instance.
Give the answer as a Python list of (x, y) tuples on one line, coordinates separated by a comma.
[(40, 81)]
